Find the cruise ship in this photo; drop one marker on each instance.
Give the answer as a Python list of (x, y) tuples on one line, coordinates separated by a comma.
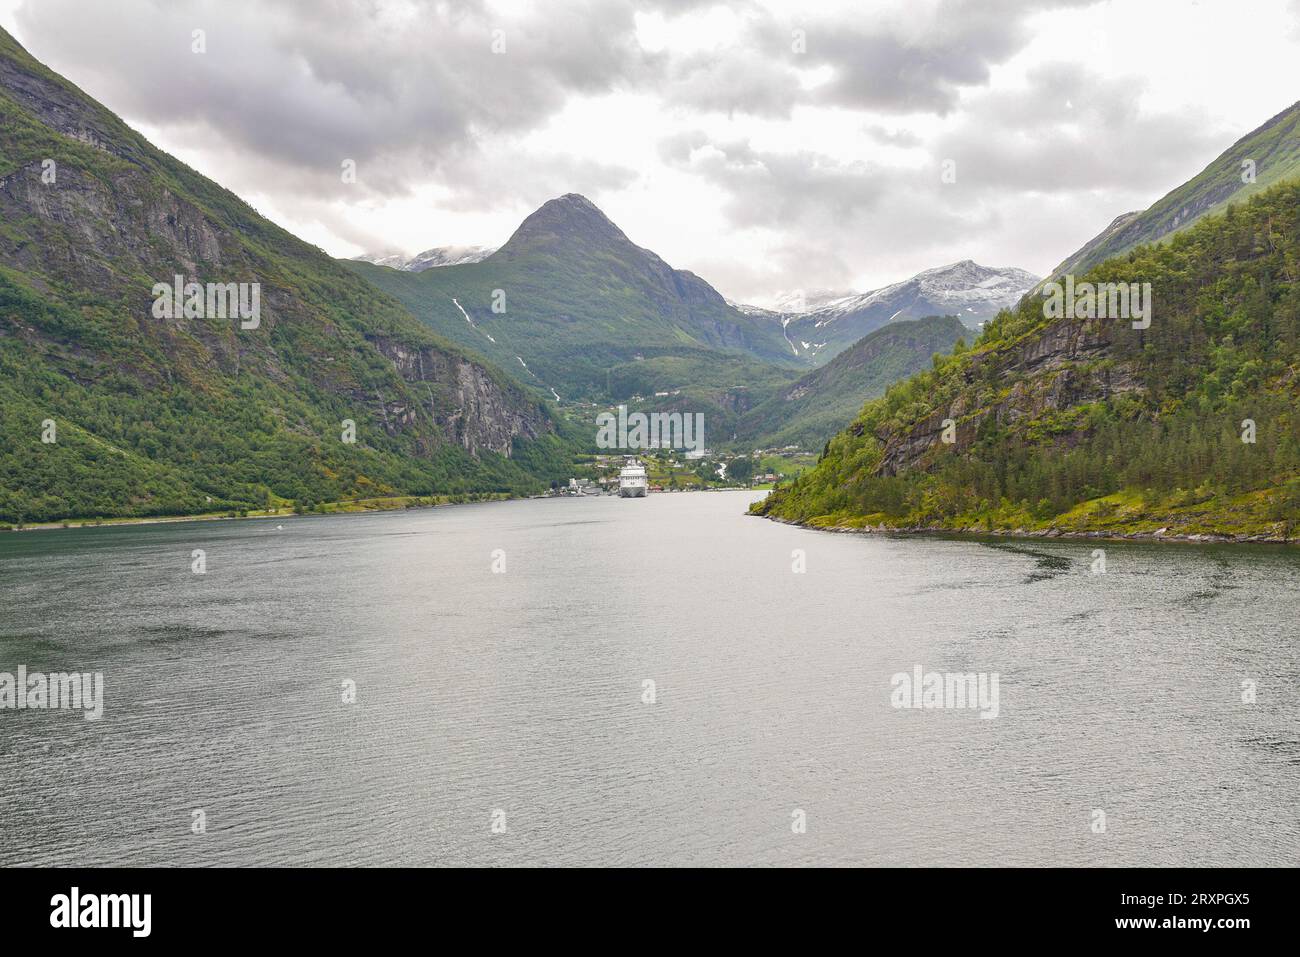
[(632, 480)]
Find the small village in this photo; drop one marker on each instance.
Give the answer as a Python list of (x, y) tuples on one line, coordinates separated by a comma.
[(676, 470)]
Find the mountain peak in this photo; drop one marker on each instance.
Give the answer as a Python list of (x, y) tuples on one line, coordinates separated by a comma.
[(571, 219), (573, 199)]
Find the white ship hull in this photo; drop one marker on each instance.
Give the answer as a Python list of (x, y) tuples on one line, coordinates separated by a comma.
[(633, 481)]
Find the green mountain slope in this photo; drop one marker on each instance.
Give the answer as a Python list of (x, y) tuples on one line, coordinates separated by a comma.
[(1089, 425), (810, 410), (165, 416), (579, 305), (1274, 149)]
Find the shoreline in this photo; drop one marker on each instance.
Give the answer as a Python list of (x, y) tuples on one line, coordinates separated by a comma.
[(362, 507), (350, 507), (1051, 534)]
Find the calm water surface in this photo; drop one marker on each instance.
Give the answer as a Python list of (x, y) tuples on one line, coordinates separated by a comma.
[(522, 692)]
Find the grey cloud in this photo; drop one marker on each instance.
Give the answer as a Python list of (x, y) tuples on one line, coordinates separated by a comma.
[(891, 137), (483, 179), (834, 219), (286, 92), (1028, 163), (920, 66), (819, 265), (305, 85), (777, 189), (1019, 154), (915, 61), (1074, 130), (747, 80)]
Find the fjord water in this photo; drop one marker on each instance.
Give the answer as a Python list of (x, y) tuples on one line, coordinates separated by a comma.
[(523, 692)]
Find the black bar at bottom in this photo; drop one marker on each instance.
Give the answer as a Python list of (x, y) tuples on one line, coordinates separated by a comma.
[(1229, 907)]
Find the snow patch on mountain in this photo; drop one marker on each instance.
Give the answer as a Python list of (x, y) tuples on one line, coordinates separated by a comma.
[(432, 258), (965, 289), (965, 286)]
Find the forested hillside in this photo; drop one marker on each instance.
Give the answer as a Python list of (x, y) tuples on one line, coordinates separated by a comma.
[(106, 409), (813, 408), (1071, 425)]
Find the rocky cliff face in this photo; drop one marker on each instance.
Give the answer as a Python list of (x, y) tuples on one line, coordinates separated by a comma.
[(476, 408), (1054, 371)]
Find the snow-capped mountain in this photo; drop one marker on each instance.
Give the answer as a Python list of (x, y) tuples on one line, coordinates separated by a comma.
[(432, 258), (967, 290), (964, 289)]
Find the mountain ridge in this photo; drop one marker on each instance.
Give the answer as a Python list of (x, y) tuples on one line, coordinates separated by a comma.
[(1272, 149)]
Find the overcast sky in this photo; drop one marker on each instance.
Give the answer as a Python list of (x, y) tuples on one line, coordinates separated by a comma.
[(768, 146)]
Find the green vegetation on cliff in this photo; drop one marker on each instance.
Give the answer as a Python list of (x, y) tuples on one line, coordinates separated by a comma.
[(1091, 425), (156, 416)]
